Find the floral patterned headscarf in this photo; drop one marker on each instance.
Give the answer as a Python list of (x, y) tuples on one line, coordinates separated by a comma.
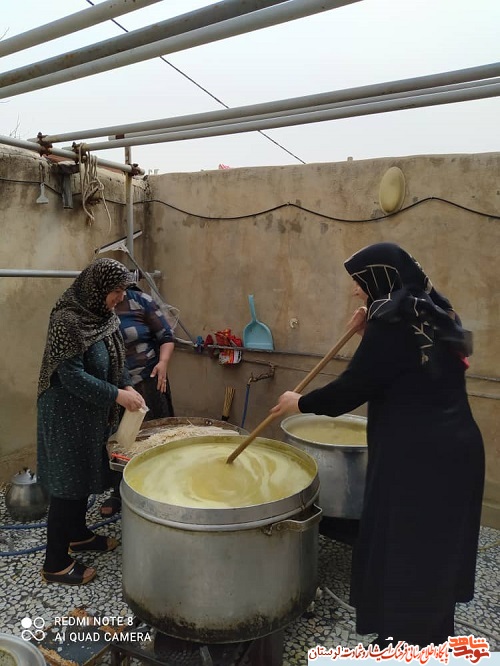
[(80, 318), (399, 290)]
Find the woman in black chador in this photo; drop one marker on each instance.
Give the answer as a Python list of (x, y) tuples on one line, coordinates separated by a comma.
[(416, 551)]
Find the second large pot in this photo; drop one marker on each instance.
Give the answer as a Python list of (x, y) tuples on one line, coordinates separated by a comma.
[(342, 466), (220, 575)]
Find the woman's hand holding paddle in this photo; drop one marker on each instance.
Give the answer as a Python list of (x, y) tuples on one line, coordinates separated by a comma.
[(358, 320), (288, 403)]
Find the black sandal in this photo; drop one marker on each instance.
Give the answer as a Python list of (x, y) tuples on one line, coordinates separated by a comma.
[(75, 576), (114, 504), (97, 543)]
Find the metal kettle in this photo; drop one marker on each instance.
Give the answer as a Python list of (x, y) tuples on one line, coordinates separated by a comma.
[(26, 499)]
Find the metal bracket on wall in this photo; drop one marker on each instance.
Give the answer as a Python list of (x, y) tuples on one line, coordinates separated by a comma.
[(120, 246)]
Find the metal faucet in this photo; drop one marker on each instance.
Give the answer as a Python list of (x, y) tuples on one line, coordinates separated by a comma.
[(264, 375)]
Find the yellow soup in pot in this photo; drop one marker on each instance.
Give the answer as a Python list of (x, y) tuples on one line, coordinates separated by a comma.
[(7, 659), (336, 433), (197, 475)]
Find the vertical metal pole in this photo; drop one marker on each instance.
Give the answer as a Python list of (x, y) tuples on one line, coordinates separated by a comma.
[(129, 203)]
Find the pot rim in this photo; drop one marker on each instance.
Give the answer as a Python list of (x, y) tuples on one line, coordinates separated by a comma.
[(353, 418), (23, 651), (208, 519)]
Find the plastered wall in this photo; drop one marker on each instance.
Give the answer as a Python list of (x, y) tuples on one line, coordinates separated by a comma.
[(280, 233), (283, 233), (41, 237)]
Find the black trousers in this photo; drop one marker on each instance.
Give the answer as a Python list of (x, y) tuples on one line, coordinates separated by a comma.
[(160, 404), (66, 522)]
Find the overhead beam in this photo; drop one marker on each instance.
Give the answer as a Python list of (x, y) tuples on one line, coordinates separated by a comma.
[(264, 18), (28, 272), (492, 90), (470, 74), (69, 24), (221, 11), (68, 154), (310, 109)]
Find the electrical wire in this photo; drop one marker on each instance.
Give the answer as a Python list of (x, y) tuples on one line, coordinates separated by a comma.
[(345, 605), (214, 97), (288, 204), (490, 545), (478, 631), (92, 187)]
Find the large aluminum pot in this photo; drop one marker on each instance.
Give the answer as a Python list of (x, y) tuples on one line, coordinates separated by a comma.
[(15, 651), (342, 468), (220, 575)]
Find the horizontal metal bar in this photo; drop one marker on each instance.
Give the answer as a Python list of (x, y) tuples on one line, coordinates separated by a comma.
[(174, 26), (68, 154), (72, 23), (119, 244), (33, 272), (264, 18), (308, 109), (25, 272), (347, 94), (492, 90)]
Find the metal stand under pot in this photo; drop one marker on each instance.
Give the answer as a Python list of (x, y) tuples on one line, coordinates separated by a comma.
[(168, 651)]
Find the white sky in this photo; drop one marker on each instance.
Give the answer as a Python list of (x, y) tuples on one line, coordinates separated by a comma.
[(371, 41)]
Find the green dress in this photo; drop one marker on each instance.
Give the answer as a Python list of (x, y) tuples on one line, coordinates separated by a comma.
[(73, 425)]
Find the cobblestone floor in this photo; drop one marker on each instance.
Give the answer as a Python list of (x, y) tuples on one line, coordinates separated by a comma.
[(330, 622)]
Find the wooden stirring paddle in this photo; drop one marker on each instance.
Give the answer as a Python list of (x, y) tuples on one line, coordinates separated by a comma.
[(334, 350)]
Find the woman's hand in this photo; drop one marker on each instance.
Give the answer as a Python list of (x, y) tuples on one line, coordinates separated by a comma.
[(130, 399), (358, 320), (288, 403), (160, 371)]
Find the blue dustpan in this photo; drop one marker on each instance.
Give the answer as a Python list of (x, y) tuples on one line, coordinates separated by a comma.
[(257, 335)]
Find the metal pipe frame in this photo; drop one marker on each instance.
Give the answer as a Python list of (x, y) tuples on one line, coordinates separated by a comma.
[(70, 24), (27, 272), (492, 90), (68, 154), (129, 204), (347, 94), (264, 18), (174, 26), (308, 109)]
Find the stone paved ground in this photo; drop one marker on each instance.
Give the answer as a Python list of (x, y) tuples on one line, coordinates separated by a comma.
[(330, 622)]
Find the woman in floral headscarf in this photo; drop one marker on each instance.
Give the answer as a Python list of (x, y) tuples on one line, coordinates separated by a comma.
[(415, 555), (82, 383)]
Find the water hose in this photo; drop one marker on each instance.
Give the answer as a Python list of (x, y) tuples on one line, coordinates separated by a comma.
[(34, 549), (245, 406)]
